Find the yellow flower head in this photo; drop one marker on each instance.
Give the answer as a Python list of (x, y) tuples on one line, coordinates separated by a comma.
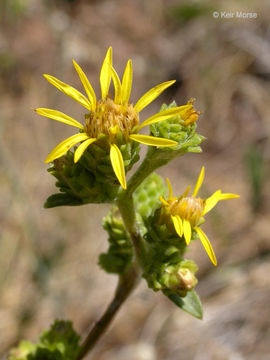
[(186, 212), (109, 116)]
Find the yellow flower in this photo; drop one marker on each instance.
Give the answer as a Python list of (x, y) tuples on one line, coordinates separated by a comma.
[(186, 212), (110, 116)]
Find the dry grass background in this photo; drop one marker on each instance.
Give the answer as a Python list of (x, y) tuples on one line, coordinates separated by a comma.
[(48, 258)]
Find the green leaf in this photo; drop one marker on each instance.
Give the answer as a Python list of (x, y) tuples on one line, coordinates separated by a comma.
[(61, 200), (61, 337), (191, 303)]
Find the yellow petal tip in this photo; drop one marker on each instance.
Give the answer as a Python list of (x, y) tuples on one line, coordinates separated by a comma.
[(118, 165)]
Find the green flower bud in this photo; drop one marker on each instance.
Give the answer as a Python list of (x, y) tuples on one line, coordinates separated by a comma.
[(180, 128), (96, 158), (179, 278), (78, 185), (146, 197), (120, 252)]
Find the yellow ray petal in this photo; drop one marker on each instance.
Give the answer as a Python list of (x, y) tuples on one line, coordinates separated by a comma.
[(169, 188), (106, 74), (65, 145), (118, 165), (187, 230), (86, 84), (81, 148), (117, 87), (151, 95), (127, 82), (163, 115), (215, 198), (152, 141), (69, 90), (199, 182), (185, 194), (211, 201), (178, 225), (164, 202), (226, 196), (59, 116), (207, 245)]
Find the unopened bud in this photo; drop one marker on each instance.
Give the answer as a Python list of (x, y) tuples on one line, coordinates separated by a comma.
[(187, 279), (179, 279)]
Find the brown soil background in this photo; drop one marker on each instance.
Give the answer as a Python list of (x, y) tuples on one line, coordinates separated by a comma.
[(48, 258)]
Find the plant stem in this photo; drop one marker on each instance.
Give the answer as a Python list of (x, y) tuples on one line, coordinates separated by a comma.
[(127, 211), (127, 282), (155, 158)]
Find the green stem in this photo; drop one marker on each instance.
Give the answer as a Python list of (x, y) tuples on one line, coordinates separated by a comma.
[(127, 282), (155, 158), (127, 211)]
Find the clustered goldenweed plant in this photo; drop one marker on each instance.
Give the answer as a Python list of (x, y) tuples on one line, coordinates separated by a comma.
[(149, 229)]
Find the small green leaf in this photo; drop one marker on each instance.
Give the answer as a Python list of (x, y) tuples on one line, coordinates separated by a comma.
[(61, 200), (191, 303)]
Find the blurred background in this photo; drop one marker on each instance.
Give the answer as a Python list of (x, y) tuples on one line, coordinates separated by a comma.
[(48, 258)]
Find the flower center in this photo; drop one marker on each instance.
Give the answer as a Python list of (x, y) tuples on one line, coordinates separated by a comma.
[(189, 208), (109, 118)]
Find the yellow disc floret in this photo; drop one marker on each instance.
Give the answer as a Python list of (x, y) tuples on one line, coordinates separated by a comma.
[(110, 115), (189, 208), (190, 115)]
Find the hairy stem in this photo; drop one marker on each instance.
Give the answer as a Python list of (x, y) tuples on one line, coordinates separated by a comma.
[(126, 284)]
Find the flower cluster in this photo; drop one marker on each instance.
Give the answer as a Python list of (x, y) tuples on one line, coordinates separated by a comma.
[(109, 117), (148, 232)]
